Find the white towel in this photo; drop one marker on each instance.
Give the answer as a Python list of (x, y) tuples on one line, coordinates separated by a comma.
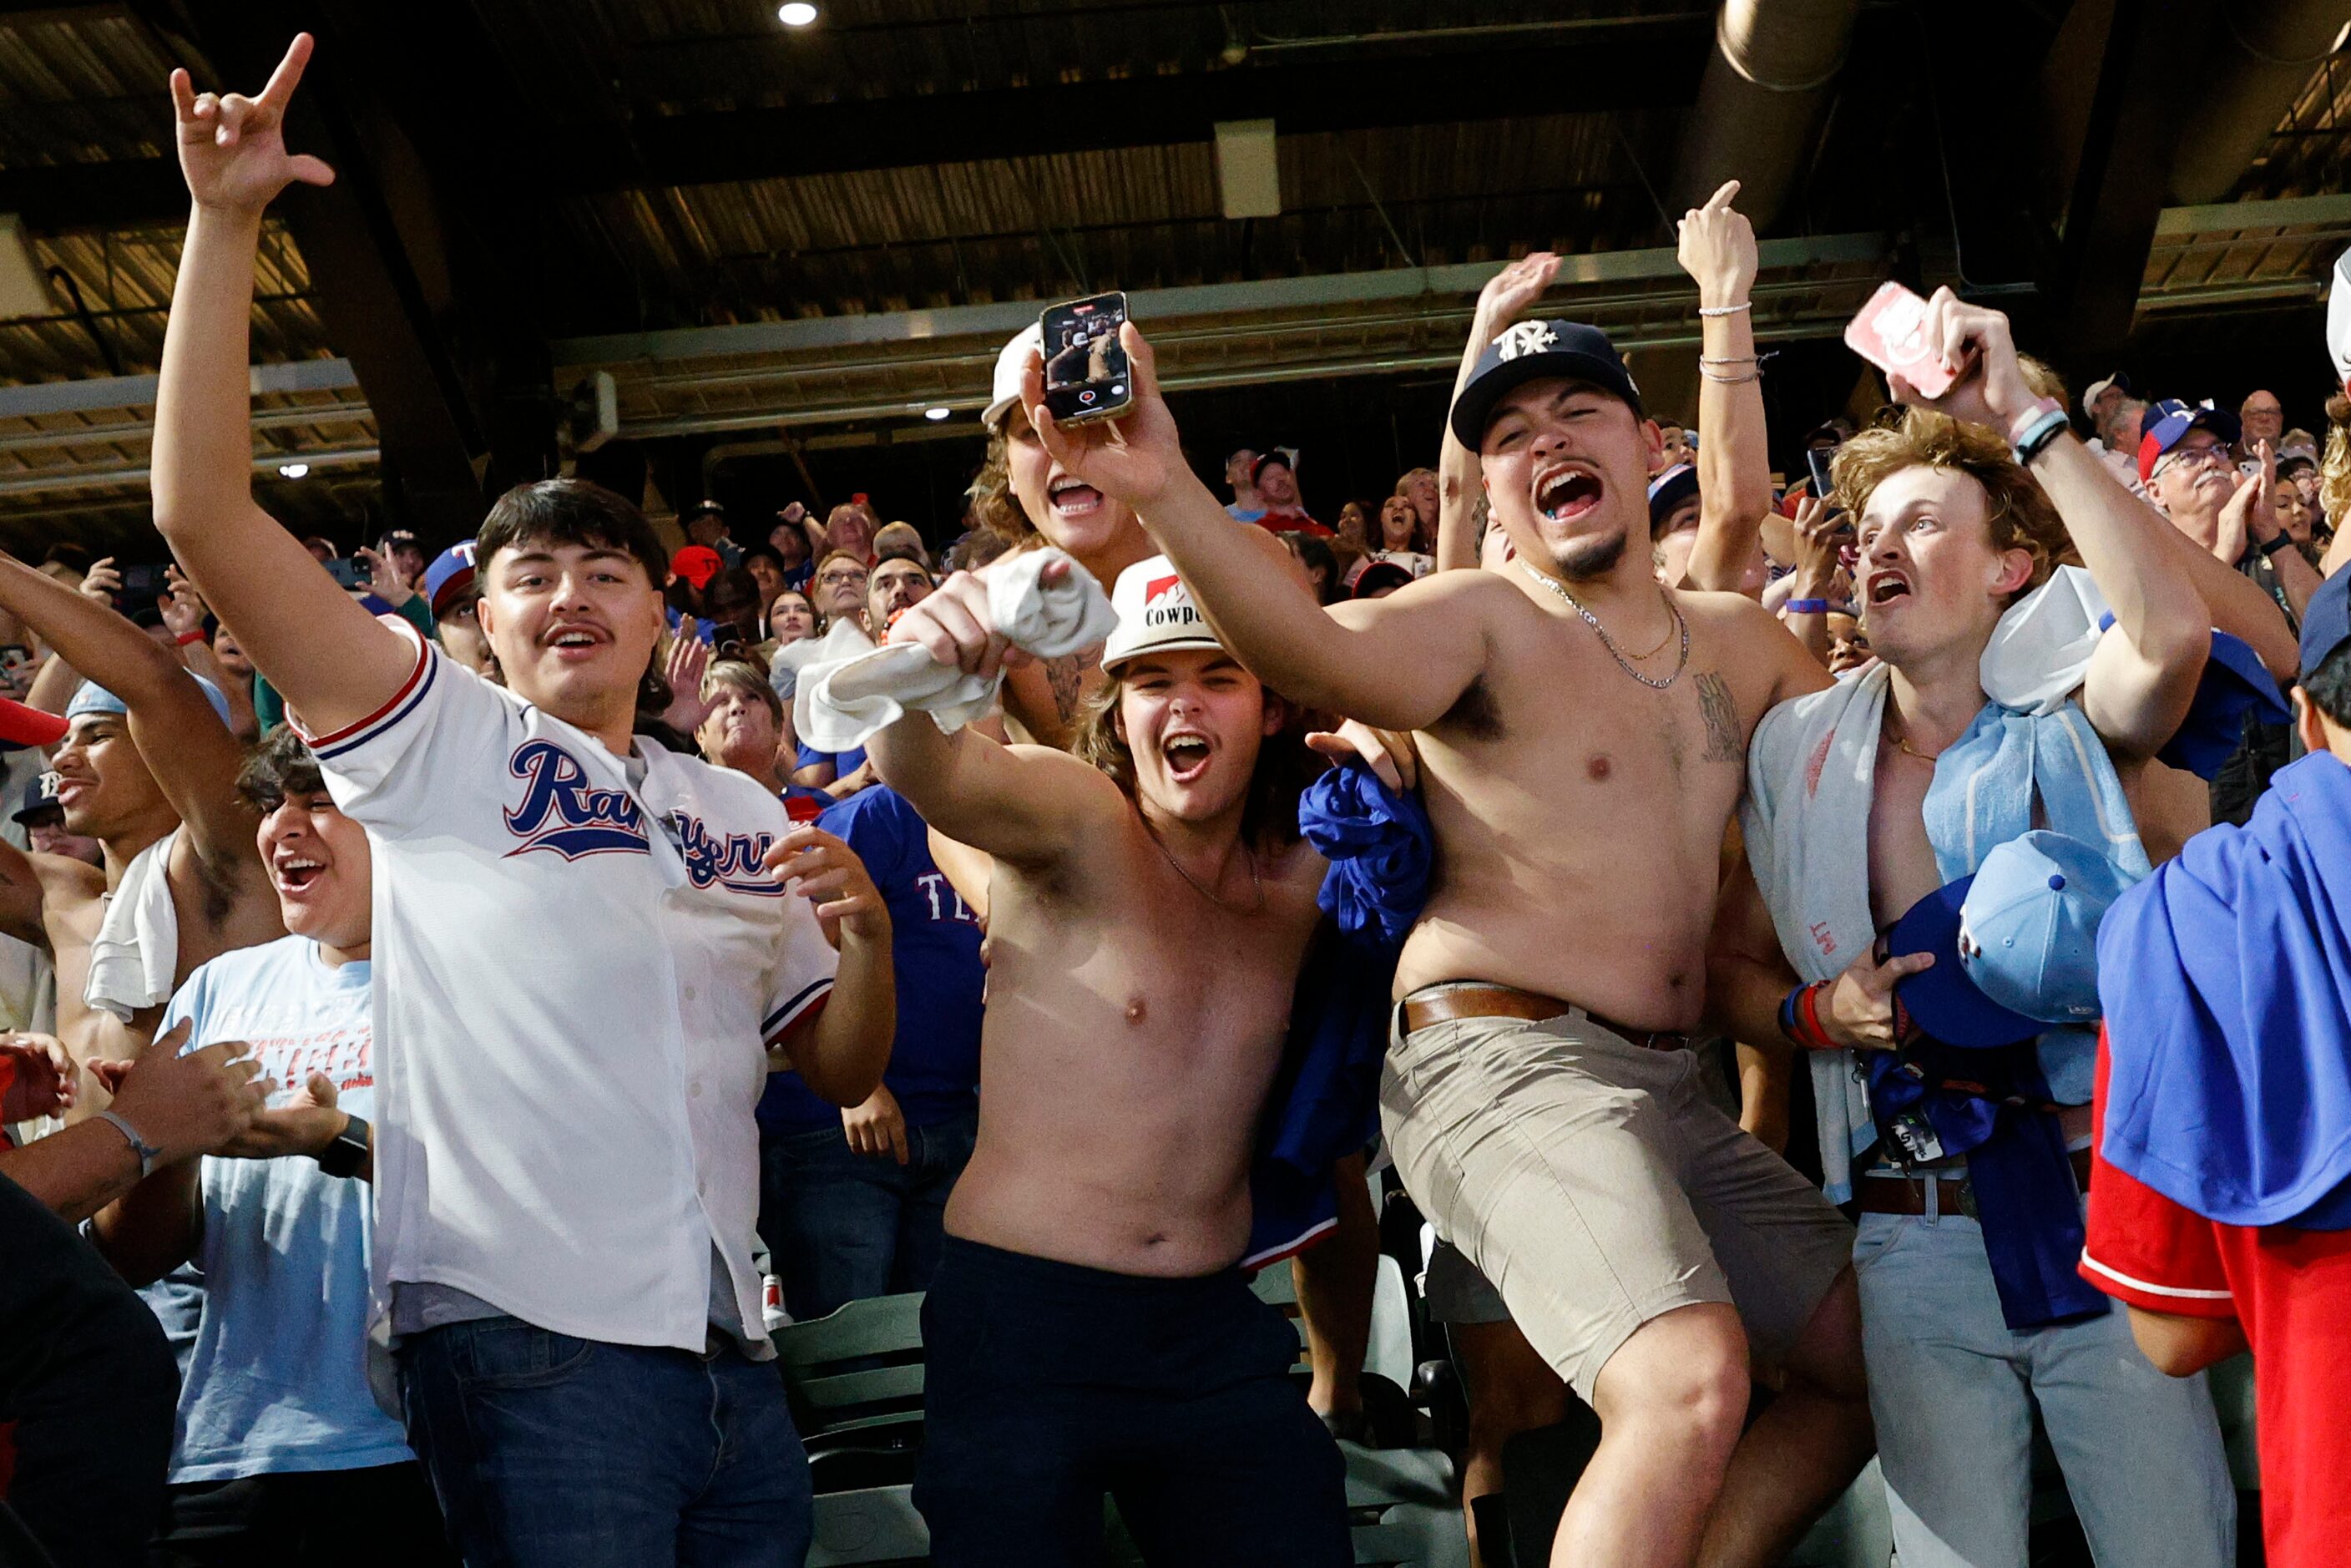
[(138, 944), (1812, 770), (843, 702), (2040, 653)]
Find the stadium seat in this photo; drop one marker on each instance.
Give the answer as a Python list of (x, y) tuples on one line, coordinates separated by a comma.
[(855, 1378), (877, 1525)]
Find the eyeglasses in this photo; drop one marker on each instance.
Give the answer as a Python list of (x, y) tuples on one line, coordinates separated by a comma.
[(837, 579), (2216, 453)]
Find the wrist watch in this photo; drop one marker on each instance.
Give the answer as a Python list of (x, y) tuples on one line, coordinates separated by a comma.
[(148, 1152), (348, 1152), (2280, 540)]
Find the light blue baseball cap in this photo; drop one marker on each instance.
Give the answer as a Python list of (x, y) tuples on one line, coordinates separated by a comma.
[(92, 698)]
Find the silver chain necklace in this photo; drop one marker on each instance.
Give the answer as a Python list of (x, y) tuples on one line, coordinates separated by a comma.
[(1609, 643), (1255, 883)]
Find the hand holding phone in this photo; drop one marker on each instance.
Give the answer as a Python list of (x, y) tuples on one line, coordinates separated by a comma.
[(1890, 332), (1086, 373)]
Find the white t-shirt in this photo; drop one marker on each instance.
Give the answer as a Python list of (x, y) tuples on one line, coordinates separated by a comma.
[(575, 981), (276, 1380)]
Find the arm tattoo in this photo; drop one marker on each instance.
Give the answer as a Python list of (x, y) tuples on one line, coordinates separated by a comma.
[(1068, 678), (1723, 743)]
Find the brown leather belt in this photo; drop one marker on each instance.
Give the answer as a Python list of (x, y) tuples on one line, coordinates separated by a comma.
[(1509, 1002), (1886, 1194)]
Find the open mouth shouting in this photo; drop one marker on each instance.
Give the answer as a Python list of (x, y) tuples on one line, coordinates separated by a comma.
[(294, 873), (574, 642), (1186, 754), (1073, 499), (1888, 587), (1565, 492)]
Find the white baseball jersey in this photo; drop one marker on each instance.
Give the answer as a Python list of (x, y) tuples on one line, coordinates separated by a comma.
[(574, 983)]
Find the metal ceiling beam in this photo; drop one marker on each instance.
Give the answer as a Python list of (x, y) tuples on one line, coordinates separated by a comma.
[(93, 393), (1259, 297), (115, 475), (1658, 63)]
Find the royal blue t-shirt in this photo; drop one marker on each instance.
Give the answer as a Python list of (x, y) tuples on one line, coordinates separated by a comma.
[(935, 948), (844, 763)]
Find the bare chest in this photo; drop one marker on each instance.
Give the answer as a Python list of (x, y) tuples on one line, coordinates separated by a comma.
[(1901, 860)]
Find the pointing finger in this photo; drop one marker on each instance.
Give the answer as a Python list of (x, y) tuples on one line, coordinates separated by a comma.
[(184, 93)]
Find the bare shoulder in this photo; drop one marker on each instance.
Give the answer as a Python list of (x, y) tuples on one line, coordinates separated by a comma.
[(64, 878), (1763, 663)]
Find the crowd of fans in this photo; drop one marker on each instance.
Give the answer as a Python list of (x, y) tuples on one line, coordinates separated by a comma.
[(1750, 949)]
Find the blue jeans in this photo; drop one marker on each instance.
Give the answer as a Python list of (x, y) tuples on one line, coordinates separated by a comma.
[(547, 1452), (1953, 1388), (842, 1227)]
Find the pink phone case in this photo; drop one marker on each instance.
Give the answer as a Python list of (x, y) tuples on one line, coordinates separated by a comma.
[(1889, 332)]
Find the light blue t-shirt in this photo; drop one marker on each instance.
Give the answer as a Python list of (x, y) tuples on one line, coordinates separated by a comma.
[(277, 1381)]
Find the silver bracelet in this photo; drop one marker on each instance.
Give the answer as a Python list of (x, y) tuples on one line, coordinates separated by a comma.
[(1726, 309), (1730, 381), (1729, 360)]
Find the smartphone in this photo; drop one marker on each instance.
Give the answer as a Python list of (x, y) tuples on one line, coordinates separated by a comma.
[(1817, 458), (1085, 364), (1890, 332), (142, 582), (350, 574)]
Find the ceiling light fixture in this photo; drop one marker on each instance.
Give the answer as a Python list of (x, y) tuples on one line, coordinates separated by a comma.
[(293, 470), (937, 412), (796, 14)]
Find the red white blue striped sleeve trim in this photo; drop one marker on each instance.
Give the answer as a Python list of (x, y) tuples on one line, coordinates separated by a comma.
[(793, 1013), (403, 702)]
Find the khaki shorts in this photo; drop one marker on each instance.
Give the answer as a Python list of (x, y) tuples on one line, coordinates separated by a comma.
[(1592, 1183)]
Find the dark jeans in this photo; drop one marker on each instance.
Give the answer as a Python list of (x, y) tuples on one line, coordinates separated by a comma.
[(88, 1384), (1050, 1385), (547, 1452), (380, 1517), (842, 1227)]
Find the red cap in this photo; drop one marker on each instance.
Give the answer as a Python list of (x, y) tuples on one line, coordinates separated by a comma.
[(22, 725), (697, 564)]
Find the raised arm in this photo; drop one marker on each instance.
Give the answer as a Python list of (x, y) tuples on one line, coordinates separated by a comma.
[(327, 656), (1461, 490), (1026, 804), (191, 752), (2296, 578), (2141, 681), (1734, 469), (1398, 662)]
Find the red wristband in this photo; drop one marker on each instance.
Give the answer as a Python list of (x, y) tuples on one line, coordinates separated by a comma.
[(184, 638), (1808, 1018)]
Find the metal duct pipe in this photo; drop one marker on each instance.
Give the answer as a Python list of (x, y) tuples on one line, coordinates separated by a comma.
[(2267, 49), (1761, 102)]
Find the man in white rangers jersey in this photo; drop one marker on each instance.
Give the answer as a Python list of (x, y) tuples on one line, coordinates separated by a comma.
[(580, 948)]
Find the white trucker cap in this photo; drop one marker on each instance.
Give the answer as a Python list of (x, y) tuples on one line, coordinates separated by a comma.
[(1029, 340), (1155, 615)]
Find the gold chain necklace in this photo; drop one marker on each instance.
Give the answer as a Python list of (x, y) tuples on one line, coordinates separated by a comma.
[(1609, 643), (1256, 882)]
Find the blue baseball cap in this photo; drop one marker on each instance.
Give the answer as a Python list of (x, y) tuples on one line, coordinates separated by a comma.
[(1669, 490), (2015, 944), (2327, 624), (1534, 351), (40, 795), (451, 573), (2168, 422), (92, 698)]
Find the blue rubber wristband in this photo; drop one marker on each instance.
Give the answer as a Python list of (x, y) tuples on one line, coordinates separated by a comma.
[(2045, 429), (1807, 606)]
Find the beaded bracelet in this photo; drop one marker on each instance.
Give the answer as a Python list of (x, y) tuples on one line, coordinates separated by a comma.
[(1726, 309)]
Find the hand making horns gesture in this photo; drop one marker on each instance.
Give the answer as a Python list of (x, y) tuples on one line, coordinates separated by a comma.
[(233, 147)]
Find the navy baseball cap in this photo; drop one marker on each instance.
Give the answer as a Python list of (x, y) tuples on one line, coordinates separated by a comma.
[(2327, 624), (2015, 944), (40, 795), (2168, 422), (1534, 351), (451, 573), (1669, 490)]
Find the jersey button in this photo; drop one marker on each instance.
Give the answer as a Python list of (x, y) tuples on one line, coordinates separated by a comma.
[(694, 1089), (687, 993)]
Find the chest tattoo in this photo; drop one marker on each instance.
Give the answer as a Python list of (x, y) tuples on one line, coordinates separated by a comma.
[(1722, 717)]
